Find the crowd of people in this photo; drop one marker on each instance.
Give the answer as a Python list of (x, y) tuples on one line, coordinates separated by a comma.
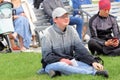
[(63, 51)]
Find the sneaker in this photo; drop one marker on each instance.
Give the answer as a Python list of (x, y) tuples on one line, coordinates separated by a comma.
[(35, 46), (52, 73), (102, 73)]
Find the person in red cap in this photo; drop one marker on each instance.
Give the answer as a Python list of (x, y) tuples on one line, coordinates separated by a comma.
[(104, 30)]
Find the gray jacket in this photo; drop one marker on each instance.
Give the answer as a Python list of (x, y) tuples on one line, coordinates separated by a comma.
[(50, 5), (103, 28), (57, 44)]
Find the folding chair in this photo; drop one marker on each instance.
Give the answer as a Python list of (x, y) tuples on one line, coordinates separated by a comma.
[(6, 23)]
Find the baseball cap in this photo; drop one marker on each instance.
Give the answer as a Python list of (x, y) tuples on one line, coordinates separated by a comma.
[(58, 12)]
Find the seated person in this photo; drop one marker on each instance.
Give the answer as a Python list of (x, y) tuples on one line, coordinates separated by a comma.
[(102, 26), (21, 26), (76, 4), (50, 5), (63, 51)]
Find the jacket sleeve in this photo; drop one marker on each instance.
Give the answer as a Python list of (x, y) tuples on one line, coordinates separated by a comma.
[(93, 31), (81, 53), (48, 10), (47, 53), (115, 27)]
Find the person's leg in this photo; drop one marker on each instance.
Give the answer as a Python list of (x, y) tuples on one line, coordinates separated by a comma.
[(68, 69), (79, 23), (22, 28), (22, 47), (12, 41), (94, 46), (115, 51)]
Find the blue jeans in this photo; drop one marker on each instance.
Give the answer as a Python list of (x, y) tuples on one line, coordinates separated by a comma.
[(66, 69), (79, 24), (75, 21)]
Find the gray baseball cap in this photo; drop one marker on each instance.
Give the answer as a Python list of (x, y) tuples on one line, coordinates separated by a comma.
[(58, 12)]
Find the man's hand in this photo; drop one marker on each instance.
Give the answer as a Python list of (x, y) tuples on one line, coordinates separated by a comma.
[(67, 61), (115, 42), (97, 66), (108, 42), (112, 42)]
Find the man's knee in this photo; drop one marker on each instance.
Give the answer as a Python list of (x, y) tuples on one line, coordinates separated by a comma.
[(76, 20), (91, 42), (79, 20)]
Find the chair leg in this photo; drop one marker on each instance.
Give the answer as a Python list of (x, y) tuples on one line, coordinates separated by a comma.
[(9, 48), (38, 37)]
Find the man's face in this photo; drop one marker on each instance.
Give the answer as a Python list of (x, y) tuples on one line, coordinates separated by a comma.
[(104, 12), (62, 21)]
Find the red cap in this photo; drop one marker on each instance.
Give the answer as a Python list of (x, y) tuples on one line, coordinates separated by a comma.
[(104, 4)]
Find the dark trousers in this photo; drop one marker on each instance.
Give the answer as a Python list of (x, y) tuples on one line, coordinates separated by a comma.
[(94, 46)]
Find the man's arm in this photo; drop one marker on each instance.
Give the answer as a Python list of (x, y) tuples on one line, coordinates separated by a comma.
[(47, 53), (47, 8), (93, 30), (92, 26), (81, 53)]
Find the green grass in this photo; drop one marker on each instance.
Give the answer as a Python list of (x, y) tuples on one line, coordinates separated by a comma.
[(23, 66)]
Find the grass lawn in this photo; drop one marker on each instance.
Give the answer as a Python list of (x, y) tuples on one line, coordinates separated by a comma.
[(23, 66)]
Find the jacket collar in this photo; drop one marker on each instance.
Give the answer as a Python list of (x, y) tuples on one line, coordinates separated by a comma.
[(58, 30), (101, 16)]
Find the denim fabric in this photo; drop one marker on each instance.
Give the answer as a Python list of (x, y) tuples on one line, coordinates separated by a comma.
[(66, 69), (79, 24), (22, 27)]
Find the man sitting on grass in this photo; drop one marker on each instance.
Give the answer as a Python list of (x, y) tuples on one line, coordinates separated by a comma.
[(63, 51), (105, 32)]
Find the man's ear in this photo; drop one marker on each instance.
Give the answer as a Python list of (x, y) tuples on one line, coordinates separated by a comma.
[(54, 20)]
